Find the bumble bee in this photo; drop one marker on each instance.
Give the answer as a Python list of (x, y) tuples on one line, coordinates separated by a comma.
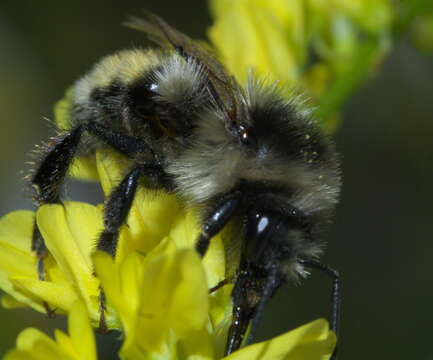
[(245, 155)]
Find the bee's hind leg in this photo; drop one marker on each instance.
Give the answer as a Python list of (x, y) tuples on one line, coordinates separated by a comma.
[(46, 183)]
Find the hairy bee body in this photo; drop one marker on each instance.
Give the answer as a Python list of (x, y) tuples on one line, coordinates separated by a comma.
[(136, 91), (245, 154)]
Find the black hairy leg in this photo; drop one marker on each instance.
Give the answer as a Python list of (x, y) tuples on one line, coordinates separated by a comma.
[(118, 205), (39, 247), (248, 304), (116, 212), (52, 169), (335, 296), (216, 219), (102, 329), (46, 182), (226, 281)]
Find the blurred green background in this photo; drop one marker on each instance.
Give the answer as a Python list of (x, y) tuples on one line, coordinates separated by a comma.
[(382, 239)]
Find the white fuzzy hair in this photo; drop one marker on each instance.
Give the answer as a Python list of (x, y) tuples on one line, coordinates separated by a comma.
[(180, 80)]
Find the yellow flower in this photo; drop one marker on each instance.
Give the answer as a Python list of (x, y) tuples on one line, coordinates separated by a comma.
[(163, 303), (69, 232), (156, 287), (79, 345)]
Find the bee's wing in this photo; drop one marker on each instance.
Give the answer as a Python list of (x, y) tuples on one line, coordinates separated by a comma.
[(224, 89)]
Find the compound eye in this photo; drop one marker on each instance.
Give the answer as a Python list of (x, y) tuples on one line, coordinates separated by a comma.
[(247, 136), (297, 218)]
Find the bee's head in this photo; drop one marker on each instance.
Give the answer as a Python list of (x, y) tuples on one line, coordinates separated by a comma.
[(271, 232), (274, 230), (277, 236)]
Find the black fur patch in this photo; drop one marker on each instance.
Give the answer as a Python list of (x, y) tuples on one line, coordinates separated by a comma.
[(107, 102), (280, 127)]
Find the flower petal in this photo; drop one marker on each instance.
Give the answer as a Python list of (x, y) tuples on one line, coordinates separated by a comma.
[(59, 296), (259, 30), (16, 229), (16, 258), (69, 231), (184, 233), (19, 297), (85, 223), (112, 168), (81, 332), (162, 293), (33, 344), (9, 302), (14, 261), (64, 341), (84, 168), (190, 293), (312, 341)]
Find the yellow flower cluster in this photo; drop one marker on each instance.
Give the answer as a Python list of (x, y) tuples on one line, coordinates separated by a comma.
[(156, 287), (326, 48), (80, 345)]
